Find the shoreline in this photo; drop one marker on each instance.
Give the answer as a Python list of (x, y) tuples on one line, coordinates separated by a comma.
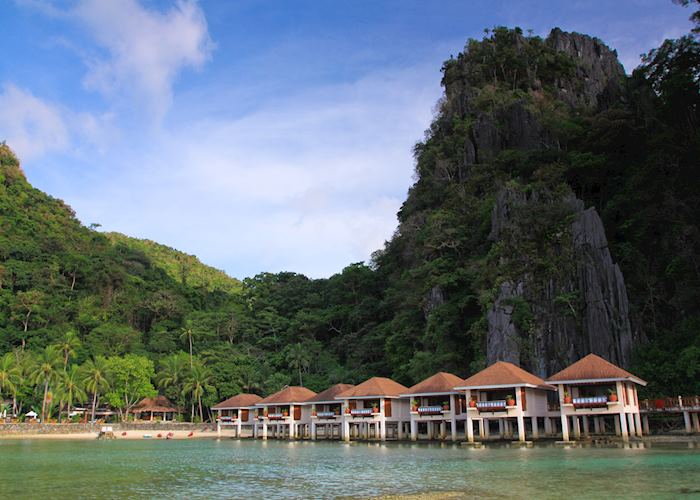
[(180, 434), (119, 434)]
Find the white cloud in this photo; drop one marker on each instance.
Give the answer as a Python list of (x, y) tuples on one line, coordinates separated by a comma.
[(308, 184), (34, 127), (30, 126), (145, 49)]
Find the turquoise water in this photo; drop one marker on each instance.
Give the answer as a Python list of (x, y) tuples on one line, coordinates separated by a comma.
[(254, 469)]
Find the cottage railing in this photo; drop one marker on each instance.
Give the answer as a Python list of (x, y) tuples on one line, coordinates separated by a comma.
[(591, 402), (429, 410), (498, 405), (326, 414), (361, 412)]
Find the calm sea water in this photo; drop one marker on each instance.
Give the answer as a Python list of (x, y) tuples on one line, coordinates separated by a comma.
[(253, 469)]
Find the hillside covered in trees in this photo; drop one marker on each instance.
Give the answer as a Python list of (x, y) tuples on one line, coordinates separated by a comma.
[(555, 213)]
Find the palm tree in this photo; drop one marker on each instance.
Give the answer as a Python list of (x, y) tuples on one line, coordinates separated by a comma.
[(198, 384), (95, 379), (186, 333), (298, 358), (10, 377), (72, 388), (68, 344), (172, 372), (45, 371)]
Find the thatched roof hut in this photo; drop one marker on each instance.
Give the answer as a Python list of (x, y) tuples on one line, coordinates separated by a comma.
[(152, 406)]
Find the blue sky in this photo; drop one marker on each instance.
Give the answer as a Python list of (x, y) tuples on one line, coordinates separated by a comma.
[(257, 135)]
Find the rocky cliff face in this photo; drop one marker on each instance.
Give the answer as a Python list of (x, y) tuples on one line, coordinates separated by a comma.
[(580, 308), (545, 318)]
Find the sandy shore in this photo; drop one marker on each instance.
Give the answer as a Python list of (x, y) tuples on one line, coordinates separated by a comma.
[(129, 434)]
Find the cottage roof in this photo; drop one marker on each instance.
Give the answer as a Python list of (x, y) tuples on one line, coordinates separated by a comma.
[(238, 401), (503, 374), (288, 395), (592, 368), (328, 396), (374, 387), (440, 383), (159, 404)]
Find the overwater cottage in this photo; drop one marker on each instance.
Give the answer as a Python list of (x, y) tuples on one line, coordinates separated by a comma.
[(374, 410), (238, 413), (436, 407), (281, 415), (593, 389), (508, 395), (158, 408), (327, 413)]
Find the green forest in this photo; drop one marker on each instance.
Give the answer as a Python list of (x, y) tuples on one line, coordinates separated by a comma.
[(92, 317)]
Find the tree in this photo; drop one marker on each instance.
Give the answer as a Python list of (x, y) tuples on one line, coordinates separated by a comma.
[(95, 379), (298, 358), (187, 333), (171, 374), (27, 304), (198, 384), (68, 344), (71, 388), (45, 372), (130, 377), (10, 377)]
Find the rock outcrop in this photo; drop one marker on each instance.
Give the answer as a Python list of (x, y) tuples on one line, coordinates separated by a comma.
[(598, 77), (583, 308)]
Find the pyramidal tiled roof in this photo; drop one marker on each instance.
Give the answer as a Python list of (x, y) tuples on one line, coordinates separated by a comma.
[(288, 395), (330, 393), (593, 367), (503, 373), (238, 401), (438, 383), (374, 387)]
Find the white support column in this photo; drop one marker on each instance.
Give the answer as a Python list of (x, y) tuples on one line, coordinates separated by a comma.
[(603, 426), (470, 428), (623, 426), (521, 428), (696, 421), (577, 427), (453, 417), (535, 428), (564, 427), (345, 432), (501, 428), (596, 425), (264, 430), (218, 425), (313, 430), (382, 420), (616, 421), (485, 429), (630, 424), (645, 424), (547, 426), (414, 429), (686, 418), (586, 427), (239, 427), (443, 430), (638, 423)]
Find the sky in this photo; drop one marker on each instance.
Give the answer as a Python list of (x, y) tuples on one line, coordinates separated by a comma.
[(261, 136)]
